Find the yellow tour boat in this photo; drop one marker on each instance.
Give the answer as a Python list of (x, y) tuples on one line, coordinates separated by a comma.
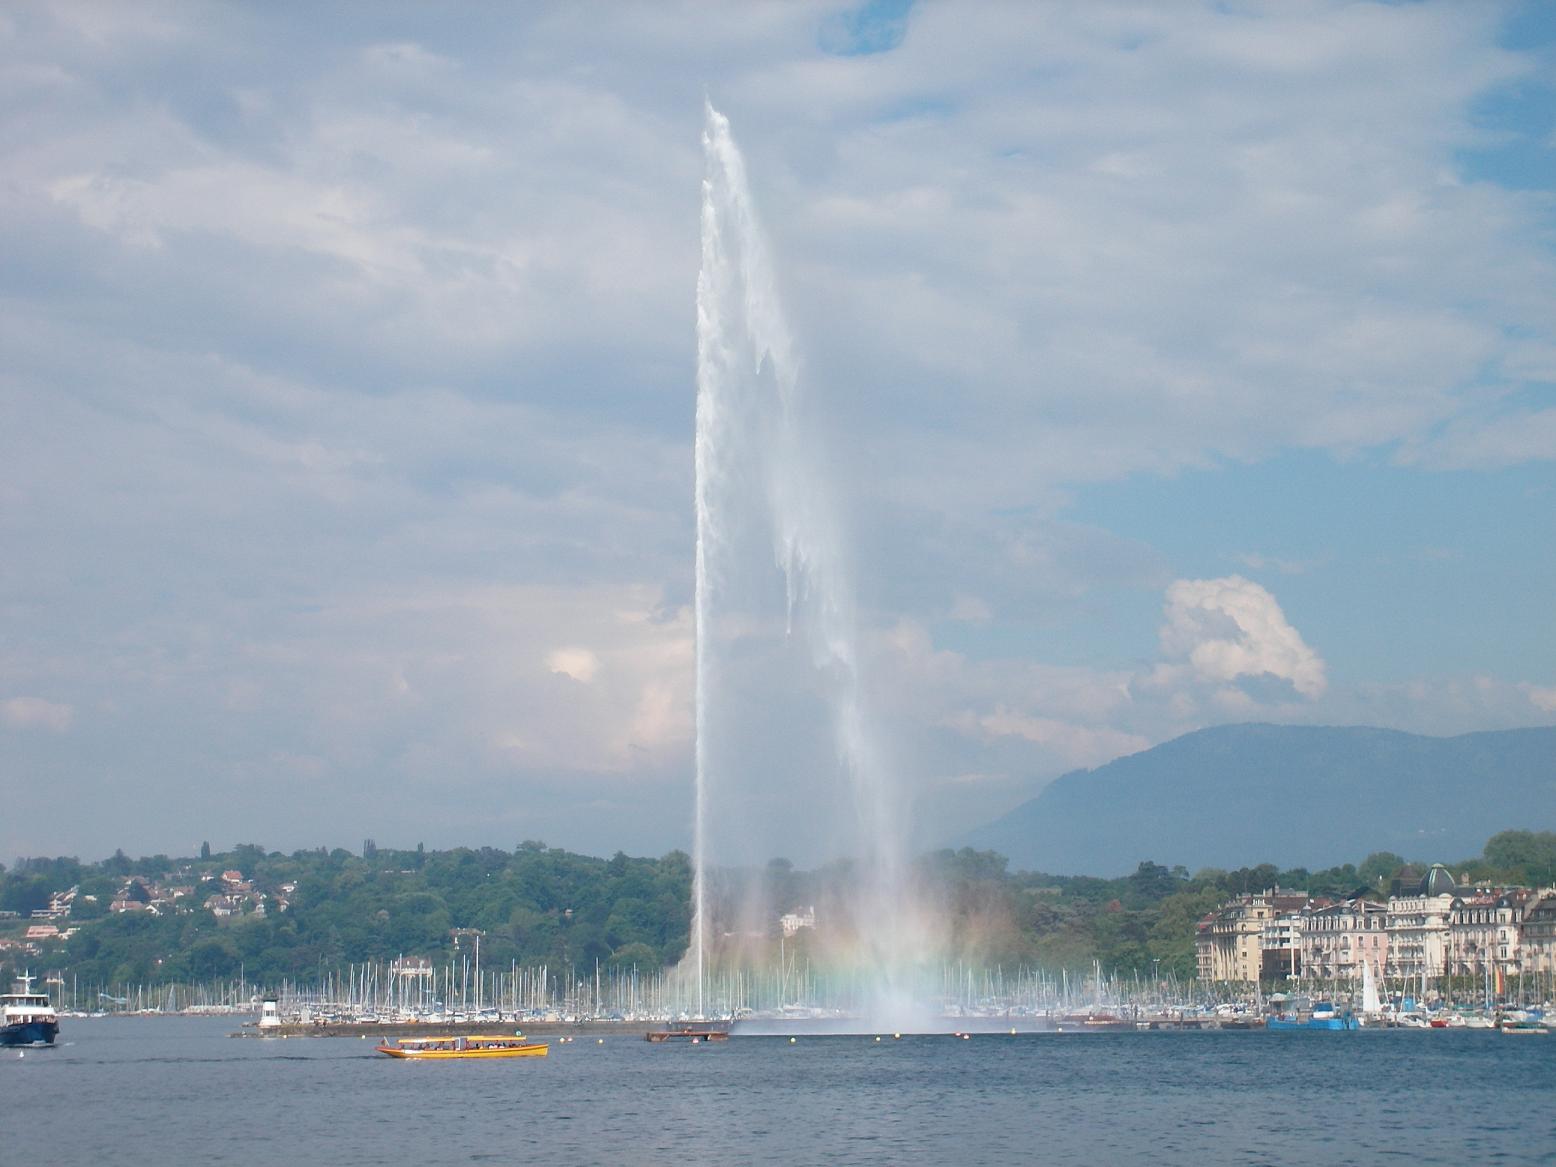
[(465, 1047)]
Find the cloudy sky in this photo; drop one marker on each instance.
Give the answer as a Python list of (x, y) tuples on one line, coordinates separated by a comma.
[(1180, 365)]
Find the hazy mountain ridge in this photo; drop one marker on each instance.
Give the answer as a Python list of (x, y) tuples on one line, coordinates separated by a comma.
[(1293, 795)]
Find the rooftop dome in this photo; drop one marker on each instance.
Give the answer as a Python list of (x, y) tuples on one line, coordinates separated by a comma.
[(1439, 881)]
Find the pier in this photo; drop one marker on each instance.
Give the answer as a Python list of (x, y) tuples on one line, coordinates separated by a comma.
[(448, 1028)]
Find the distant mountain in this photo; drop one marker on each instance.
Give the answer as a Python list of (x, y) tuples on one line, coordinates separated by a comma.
[(1311, 796)]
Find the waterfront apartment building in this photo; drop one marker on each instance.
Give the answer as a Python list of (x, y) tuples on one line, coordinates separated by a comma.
[(1280, 944), (1431, 927), (1229, 942), (1483, 931), (1537, 934), (1338, 939), (1418, 922)]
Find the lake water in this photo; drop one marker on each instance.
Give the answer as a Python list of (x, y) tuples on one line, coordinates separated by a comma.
[(128, 1092)]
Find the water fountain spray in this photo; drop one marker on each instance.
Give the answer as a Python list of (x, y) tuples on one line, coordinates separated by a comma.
[(749, 398)]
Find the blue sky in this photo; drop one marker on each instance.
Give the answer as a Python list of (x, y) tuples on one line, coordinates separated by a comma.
[(1175, 365), (1331, 536), (1519, 117)]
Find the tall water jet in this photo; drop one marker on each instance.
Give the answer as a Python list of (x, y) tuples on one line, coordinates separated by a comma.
[(753, 420)]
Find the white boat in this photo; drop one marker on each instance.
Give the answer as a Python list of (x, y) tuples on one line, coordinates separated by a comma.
[(27, 1018), (1528, 1028), (1372, 1007)]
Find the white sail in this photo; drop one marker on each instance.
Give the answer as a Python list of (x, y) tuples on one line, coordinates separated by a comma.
[(1371, 1006)]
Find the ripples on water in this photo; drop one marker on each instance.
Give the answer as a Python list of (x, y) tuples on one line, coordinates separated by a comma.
[(153, 1091)]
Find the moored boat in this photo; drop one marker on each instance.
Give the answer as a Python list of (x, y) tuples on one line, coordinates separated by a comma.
[(447, 1048), (1276, 1023), (693, 1031), (1323, 1016), (1526, 1026), (27, 1018)]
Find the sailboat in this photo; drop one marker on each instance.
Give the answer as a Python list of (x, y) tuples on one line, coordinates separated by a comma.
[(1372, 1007)]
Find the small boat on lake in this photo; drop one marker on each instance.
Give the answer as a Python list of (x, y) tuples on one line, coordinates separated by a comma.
[(1323, 1016), (445, 1048), (693, 1031), (1522, 1024)]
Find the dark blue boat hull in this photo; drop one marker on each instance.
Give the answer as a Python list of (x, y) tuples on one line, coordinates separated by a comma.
[(29, 1033)]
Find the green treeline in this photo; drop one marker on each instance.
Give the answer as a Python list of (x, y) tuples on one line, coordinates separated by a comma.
[(275, 916), (533, 905)]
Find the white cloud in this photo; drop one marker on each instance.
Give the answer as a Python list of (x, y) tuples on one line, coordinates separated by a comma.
[(1542, 697), (578, 663), (971, 610), (476, 664), (1231, 628), (36, 713), (1077, 745), (1480, 443)]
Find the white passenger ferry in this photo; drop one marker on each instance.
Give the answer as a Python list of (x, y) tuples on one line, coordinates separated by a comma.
[(26, 1017)]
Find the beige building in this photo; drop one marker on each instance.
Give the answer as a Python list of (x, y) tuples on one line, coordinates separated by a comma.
[(1431, 927), (1537, 934), (1229, 944), (1418, 921), (1483, 931), (1280, 945)]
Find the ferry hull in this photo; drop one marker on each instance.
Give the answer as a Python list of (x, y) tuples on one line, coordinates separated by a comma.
[(29, 1033)]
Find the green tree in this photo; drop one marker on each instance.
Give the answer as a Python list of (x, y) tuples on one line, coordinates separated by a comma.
[(1171, 939), (639, 956), (1528, 857), (1150, 884), (25, 893), (209, 959), (1378, 867)]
